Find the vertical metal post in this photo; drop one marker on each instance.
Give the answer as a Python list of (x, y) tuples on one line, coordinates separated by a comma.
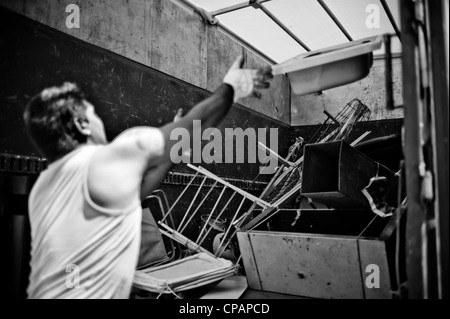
[(440, 105), (411, 97), (388, 72)]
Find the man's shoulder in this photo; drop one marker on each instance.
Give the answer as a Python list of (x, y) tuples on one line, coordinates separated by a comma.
[(63, 172), (138, 143)]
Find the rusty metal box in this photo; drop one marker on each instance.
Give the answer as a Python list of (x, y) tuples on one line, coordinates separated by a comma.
[(334, 174)]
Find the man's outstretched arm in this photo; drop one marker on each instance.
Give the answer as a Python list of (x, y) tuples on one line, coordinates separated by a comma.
[(117, 171), (154, 176), (237, 83)]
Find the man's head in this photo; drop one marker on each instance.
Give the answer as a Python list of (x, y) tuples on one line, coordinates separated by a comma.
[(59, 119)]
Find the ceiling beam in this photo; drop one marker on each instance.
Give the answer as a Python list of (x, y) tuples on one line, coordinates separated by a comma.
[(259, 5), (391, 19), (335, 19), (207, 16), (230, 8), (245, 44)]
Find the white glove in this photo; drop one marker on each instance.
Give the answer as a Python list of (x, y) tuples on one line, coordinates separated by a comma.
[(244, 81)]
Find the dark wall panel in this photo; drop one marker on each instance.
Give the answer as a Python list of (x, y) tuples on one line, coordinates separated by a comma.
[(125, 93)]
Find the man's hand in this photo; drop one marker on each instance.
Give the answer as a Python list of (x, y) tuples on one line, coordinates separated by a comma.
[(245, 81)]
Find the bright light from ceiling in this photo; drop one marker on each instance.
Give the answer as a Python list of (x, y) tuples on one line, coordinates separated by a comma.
[(256, 28), (354, 14), (308, 21)]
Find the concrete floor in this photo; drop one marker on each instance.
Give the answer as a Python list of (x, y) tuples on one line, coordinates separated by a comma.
[(229, 288)]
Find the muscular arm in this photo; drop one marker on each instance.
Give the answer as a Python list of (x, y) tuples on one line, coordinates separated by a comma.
[(237, 83), (153, 178), (210, 112), (138, 159)]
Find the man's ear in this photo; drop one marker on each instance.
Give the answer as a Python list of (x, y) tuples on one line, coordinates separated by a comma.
[(179, 115), (82, 126)]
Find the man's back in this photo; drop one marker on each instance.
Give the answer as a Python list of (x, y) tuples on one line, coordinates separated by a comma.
[(73, 238)]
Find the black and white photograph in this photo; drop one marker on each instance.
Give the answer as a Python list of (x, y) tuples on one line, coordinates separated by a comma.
[(224, 157)]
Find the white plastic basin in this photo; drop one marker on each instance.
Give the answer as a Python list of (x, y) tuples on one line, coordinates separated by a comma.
[(330, 67)]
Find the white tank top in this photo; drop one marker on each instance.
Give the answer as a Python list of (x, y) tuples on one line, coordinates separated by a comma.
[(79, 250)]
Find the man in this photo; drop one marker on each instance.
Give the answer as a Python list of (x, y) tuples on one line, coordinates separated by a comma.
[(85, 210)]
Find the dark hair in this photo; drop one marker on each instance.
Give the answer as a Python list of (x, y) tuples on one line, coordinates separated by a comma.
[(49, 120)]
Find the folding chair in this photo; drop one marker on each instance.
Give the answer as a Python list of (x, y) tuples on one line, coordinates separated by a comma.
[(202, 267)]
